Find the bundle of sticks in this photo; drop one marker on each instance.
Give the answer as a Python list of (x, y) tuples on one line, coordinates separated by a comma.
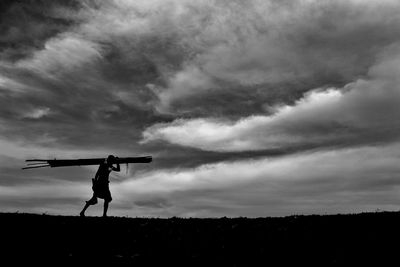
[(40, 163)]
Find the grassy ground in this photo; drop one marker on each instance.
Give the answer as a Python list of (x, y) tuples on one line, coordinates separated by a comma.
[(330, 240)]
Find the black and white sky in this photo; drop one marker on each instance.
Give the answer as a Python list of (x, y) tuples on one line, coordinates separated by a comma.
[(248, 107)]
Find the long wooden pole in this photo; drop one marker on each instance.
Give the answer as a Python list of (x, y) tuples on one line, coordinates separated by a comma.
[(39, 163)]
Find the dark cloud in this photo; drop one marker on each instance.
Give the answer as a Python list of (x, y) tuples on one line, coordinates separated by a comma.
[(214, 87), (266, 45), (26, 25), (113, 76)]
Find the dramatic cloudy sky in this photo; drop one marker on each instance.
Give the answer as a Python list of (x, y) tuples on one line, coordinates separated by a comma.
[(248, 107)]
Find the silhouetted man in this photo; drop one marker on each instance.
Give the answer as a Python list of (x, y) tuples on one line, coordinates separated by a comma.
[(100, 184)]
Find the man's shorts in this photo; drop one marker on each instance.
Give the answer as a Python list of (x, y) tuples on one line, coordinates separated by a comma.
[(100, 190)]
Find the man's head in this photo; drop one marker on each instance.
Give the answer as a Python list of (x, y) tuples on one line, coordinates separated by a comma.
[(110, 159)]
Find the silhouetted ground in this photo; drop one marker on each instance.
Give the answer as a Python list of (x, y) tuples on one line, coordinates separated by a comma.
[(368, 238)]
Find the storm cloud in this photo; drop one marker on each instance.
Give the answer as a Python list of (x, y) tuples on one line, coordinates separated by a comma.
[(234, 99)]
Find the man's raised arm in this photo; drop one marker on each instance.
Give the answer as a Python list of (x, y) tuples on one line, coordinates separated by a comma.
[(117, 169)]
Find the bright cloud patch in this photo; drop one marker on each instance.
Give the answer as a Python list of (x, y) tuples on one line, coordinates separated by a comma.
[(37, 113), (253, 133), (63, 53)]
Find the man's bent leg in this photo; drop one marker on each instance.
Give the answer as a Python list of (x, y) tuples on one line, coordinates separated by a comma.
[(92, 201)]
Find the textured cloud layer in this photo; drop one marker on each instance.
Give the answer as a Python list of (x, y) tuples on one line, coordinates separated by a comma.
[(364, 111), (210, 87), (116, 65)]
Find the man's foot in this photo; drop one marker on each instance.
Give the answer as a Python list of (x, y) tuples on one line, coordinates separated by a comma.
[(82, 214), (104, 215)]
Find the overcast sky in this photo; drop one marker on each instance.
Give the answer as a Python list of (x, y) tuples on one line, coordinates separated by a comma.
[(248, 107)]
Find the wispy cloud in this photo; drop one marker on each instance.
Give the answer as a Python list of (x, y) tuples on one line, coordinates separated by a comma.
[(62, 53)]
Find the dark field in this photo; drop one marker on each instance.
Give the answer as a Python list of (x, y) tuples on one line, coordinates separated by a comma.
[(368, 238)]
